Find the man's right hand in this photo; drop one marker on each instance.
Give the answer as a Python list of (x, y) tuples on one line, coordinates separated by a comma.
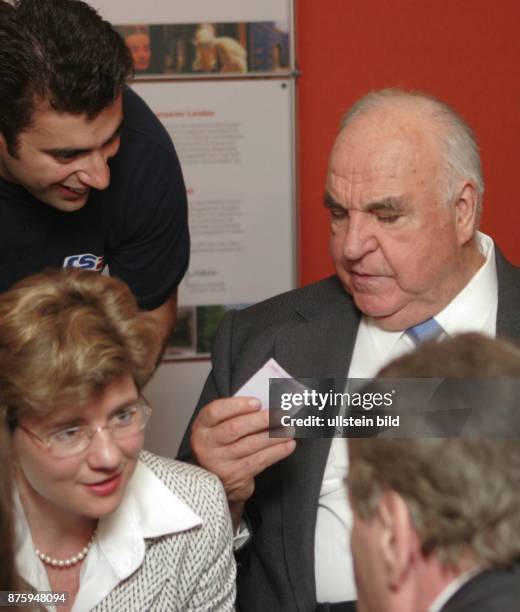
[(230, 438)]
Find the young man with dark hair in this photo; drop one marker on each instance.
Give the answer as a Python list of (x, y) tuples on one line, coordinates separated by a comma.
[(74, 137)]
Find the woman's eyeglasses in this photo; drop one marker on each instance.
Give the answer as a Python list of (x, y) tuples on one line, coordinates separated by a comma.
[(70, 441)]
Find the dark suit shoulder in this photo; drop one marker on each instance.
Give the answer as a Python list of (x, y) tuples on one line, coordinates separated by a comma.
[(493, 590), (306, 302), (508, 315)]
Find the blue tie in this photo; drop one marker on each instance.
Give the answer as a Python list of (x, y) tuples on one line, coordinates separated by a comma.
[(427, 330)]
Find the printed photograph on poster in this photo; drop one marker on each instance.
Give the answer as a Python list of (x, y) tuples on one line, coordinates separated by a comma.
[(191, 49), (195, 330)]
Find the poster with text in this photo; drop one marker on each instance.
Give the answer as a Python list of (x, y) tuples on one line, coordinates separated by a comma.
[(234, 140)]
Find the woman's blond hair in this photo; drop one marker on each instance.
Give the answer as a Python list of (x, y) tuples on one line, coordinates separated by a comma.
[(64, 336)]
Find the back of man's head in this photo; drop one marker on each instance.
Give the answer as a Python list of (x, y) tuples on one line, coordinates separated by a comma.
[(59, 52), (461, 495)]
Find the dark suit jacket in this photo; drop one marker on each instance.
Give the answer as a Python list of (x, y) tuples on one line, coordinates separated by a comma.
[(494, 590), (311, 333)]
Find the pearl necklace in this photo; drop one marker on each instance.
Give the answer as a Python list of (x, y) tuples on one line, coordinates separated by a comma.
[(64, 563)]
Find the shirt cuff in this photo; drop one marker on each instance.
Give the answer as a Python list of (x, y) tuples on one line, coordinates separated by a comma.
[(242, 536)]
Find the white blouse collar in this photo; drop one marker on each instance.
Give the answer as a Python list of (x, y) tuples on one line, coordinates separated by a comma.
[(148, 510)]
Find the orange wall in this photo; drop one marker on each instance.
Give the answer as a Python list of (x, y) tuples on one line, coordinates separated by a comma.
[(464, 51)]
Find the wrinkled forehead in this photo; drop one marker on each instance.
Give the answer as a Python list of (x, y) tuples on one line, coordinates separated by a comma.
[(391, 143)]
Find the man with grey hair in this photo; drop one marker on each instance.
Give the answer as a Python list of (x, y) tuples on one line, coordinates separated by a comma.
[(421, 546), (404, 192), (443, 534)]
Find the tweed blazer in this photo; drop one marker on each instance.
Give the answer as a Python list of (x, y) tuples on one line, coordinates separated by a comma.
[(311, 333), (189, 571)]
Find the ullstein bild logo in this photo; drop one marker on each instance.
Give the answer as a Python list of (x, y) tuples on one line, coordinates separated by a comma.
[(87, 261)]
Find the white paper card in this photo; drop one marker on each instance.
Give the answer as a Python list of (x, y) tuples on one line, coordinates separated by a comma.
[(258, 384)]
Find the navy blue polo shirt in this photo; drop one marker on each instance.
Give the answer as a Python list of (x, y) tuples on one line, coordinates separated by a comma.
[(138, 225)]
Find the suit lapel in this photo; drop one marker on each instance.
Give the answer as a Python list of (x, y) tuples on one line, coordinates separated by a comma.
[(319, 345), (129, 594)]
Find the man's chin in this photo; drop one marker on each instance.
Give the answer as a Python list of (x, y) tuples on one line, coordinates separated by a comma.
[(71, 206), (386, 315), (66, 205)]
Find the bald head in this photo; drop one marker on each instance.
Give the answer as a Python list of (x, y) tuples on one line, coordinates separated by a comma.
[(454, 138)]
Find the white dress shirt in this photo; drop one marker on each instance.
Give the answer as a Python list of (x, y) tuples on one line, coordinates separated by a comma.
[(473, 309), (119, 548)]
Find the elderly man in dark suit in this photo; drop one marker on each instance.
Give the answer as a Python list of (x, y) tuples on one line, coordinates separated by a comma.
[(436, 522), (404, 191)]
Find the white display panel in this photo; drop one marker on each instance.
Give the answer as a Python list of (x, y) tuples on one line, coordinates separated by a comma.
[(234, 144), (234, 141)]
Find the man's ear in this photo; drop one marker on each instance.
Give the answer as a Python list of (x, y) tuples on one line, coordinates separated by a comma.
[(5, 154), (3, 150), (466, 213), (399, 542)]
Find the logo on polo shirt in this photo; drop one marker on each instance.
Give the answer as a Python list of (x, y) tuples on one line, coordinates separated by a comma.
[(87, 261)]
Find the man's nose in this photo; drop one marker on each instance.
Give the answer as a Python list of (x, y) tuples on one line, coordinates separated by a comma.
[(104, 453), (95, 172), (359, 239)]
